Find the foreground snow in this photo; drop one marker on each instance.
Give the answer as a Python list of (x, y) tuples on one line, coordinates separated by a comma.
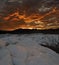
[(25, 49)]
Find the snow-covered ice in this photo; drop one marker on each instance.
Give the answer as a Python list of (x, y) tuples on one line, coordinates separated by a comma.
[(25, 49)]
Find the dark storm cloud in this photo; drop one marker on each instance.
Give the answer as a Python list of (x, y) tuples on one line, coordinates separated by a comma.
[(29, 5), (2, 4), (31, 2), (34, 5)]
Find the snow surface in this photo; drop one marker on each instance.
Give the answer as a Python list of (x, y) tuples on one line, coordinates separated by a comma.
[(25, 49)]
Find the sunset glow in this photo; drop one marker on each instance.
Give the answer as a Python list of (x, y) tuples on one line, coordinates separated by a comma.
[(35, 20)]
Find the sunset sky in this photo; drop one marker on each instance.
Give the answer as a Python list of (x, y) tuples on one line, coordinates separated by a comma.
[(29, 14)]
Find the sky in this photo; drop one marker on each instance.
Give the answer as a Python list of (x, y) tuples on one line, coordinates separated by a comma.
[(32, 12)]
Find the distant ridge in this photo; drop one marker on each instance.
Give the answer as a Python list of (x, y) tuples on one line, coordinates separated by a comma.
[(28, 31)]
